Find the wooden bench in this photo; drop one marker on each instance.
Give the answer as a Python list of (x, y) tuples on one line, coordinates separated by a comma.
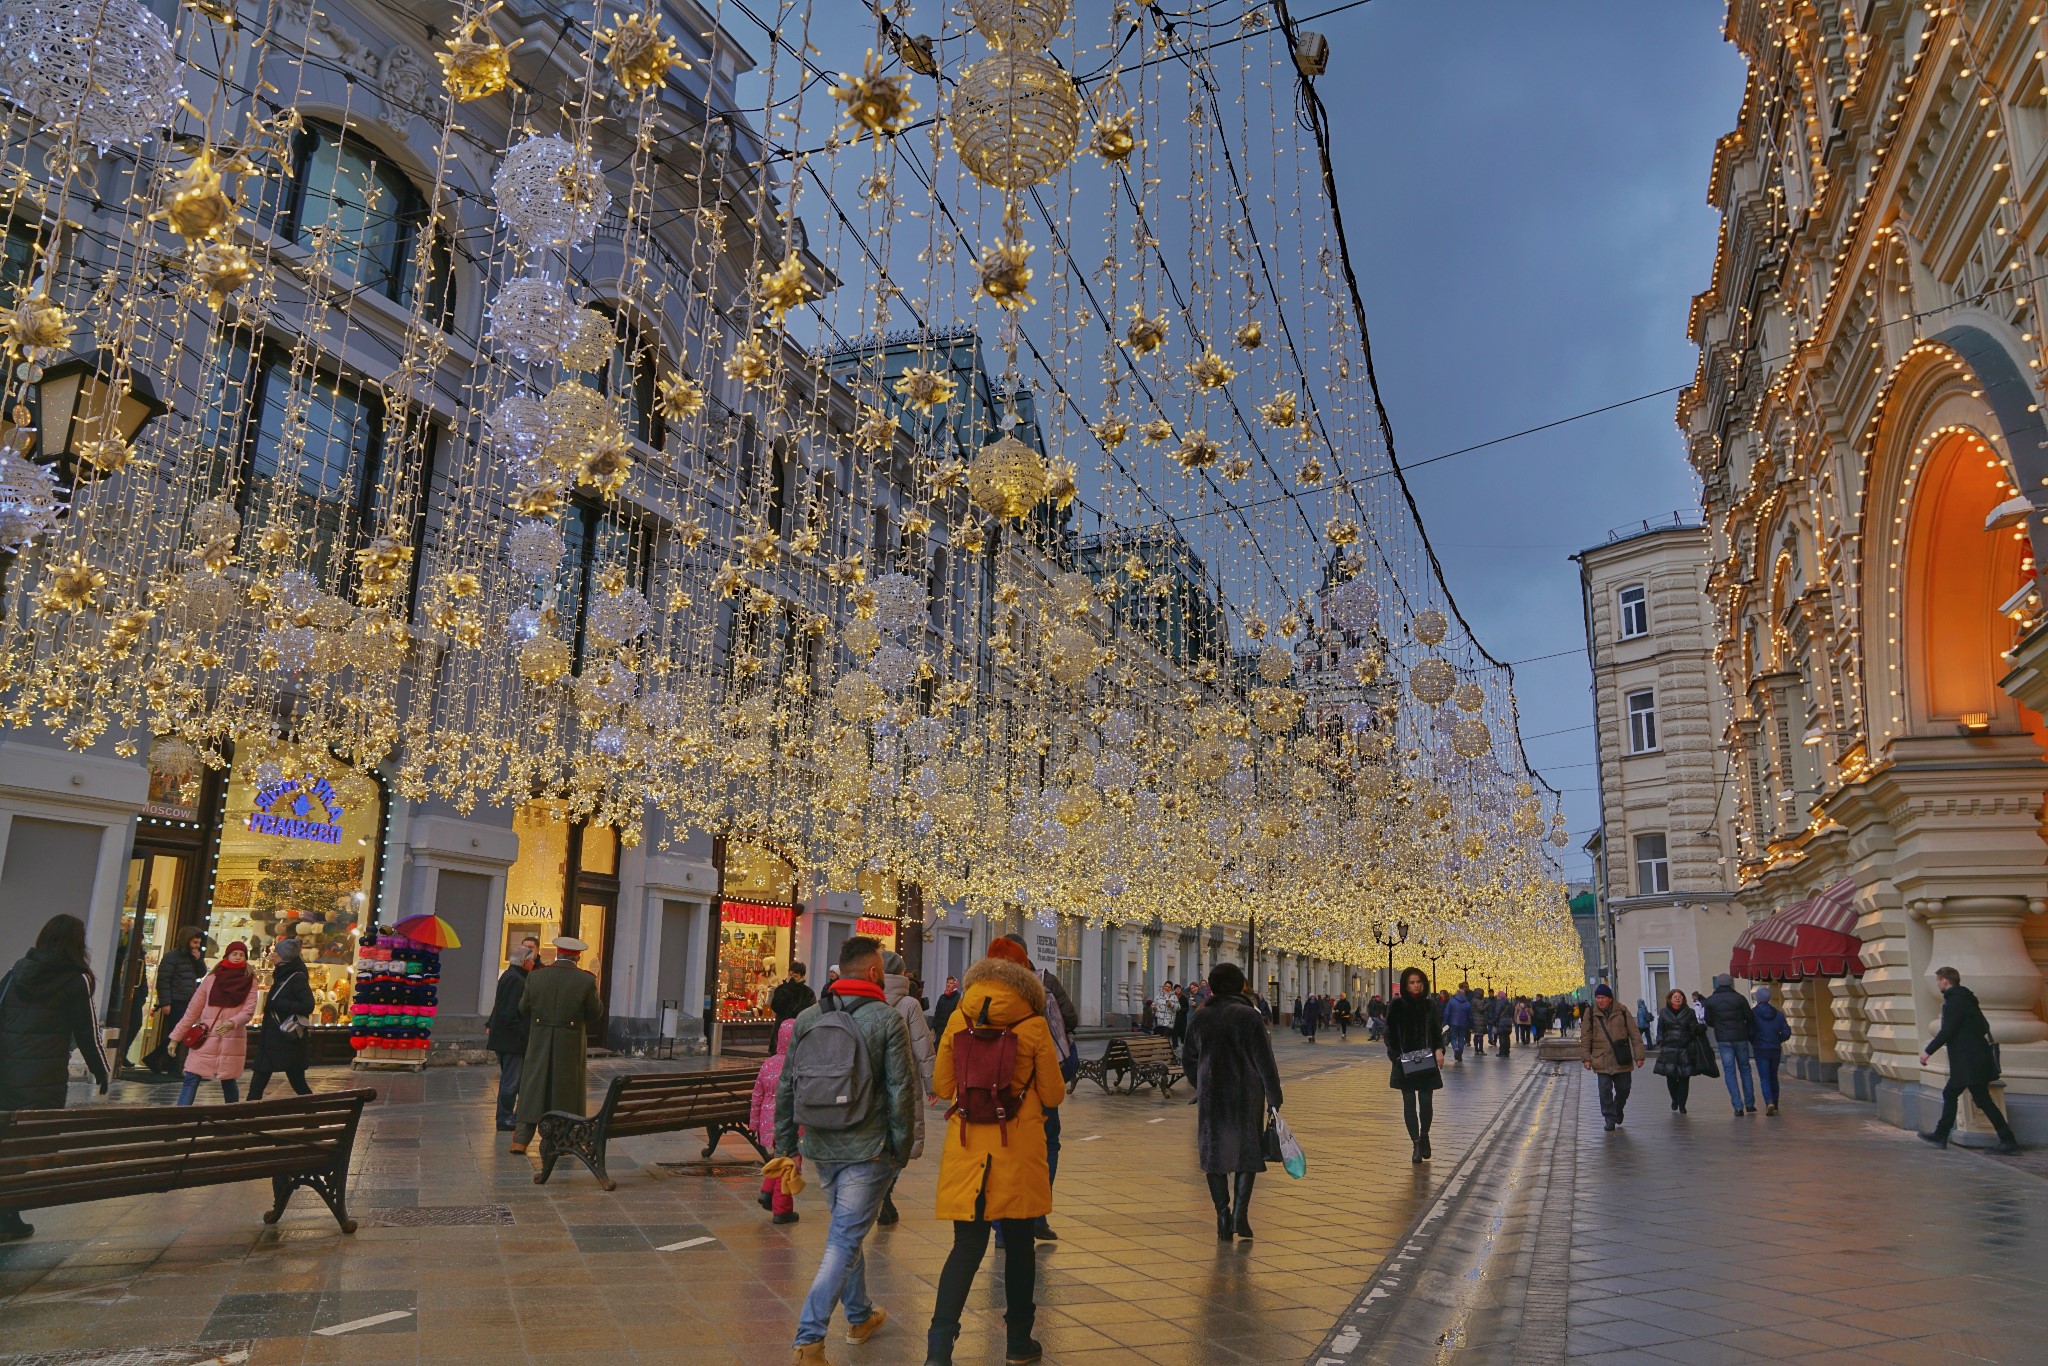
[(1136, 1060), (718, 1102), (69, 1157)]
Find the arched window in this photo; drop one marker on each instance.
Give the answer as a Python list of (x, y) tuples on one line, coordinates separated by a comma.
[(376, 215)]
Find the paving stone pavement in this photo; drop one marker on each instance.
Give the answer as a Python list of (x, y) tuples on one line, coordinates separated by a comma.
[(1818, 1234)]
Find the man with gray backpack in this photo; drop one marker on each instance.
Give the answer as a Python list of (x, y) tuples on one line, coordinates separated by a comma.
[(851, 1087)]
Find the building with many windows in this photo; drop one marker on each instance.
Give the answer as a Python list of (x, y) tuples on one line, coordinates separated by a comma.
[(1664, 860)]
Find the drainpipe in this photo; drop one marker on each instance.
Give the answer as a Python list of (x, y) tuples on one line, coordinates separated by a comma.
[(1610, 935)]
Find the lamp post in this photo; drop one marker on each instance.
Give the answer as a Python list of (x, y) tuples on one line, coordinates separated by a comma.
[(82, 407), (1392, 937)]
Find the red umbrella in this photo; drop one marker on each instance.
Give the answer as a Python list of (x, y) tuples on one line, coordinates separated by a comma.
[(430, 930)]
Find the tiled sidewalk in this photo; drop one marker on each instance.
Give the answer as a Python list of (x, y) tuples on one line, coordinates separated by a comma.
[(511, 1271)]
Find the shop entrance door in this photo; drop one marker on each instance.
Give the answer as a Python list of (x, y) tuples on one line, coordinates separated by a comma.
[(152, 911), (594, 914)]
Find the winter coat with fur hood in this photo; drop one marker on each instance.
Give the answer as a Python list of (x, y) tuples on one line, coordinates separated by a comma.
[(983, 1174)]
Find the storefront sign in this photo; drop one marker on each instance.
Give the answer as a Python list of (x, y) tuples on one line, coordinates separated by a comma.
[(299, 809), (879, 929), (754, 913)]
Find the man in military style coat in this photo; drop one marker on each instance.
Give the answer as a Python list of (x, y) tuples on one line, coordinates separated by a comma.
[(560, 1005)]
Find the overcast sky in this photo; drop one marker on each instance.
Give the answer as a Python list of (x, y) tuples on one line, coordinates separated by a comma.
[(1525, 189)]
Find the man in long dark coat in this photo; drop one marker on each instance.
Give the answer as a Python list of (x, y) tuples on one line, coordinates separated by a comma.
[(1971, 1067), (560, 1005)]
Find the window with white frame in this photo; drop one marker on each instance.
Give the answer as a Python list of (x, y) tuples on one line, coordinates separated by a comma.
[(1653, 865), (1635, 612), (1642, 721)]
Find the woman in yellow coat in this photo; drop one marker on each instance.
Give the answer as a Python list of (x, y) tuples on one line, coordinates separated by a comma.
[(989, 1172)]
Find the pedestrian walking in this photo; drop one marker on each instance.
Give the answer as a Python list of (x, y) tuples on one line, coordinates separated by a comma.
[(1415, 1043), (850, 1086), (287, 1013), (1699, 1007), (1375, 1018), (761, 1119), (1312, 1011), (1344, 1018), (1729, 1017), (1646, 1018), (223, 1005), (1540, 1014), (1972, 1060), (1678, 1031), (177, 979), (1768, 1043), (1230, 1062), (45, 1012), (792, 996), (1503, 1022), (1182, 1005), (1612, 1045), (999, 1066), (1458, 1020), (923, 1051), (1525, 1019), (1060, 1019), (1162, 1010), (505, 1032), (561, 1006), (943, 1011)]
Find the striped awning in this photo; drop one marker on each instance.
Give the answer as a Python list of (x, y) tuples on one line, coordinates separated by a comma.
[(1763, 953), (1824, 941)]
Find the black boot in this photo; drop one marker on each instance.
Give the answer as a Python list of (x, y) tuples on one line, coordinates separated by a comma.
[(13, 1228), (1219, 1195), (1423, 1144), (888, 1214), (1415, 1152), (1244, 1203), (938, 1349)]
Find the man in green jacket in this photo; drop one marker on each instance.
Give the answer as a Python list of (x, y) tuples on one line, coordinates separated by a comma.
[(857, 1164), (560, 1005)]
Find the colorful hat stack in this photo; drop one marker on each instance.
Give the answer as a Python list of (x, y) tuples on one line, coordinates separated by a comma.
[(397, 985)]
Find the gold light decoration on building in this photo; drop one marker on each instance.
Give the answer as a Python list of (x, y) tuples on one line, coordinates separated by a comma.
[(679, 397), (1112, 138), (195, 204), (1470, 737), (1005, 273), (1015, 120), (35, 327), (1060, 486), (1144, 334), (876, 430), (1309, 473), (924, 388), (474, 64), (73, 586), (1275, 710), (1157, 432), (1250, 336), (222, 270), (1432, 679), (1211, 371), (1430, 626), (1016, 24), (1236, 469), (1196, 451), (1278, 411), (638, 54), (752, 361), (1071, 655), (1006, 478), (1111, 431), (1276, 664), (784, 288), (1342, 531), (877, 105), (1469, 697)]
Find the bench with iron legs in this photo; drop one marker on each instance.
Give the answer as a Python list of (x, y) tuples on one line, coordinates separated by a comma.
[(70, 1157), (1134, 1061), (719, 1102)]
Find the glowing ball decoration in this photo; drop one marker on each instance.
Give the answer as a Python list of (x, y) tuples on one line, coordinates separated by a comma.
[(104, 67), (549, 193), (1276, 665), (1430, 626), (1353, 605), (1470, 738), (532, 319), (1007, 478), (1014, 25), (1432, 680), (30, 506), (899, 601), (1016, 120)]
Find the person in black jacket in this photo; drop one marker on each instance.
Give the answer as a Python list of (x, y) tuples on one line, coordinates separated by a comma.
[(1229, 1059), (1677, 1028), (287, 1011), (793, 997), (1971, 1067), (1734, 1026), (505, 1031), (1415, 1024), (943, 1011), (45, 1012), (177, 979)]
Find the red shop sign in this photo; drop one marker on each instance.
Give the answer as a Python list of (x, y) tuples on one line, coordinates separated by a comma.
[(754, 913), (881, 929)]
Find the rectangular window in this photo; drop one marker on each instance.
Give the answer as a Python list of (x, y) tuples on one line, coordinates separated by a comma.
[(1635, 612), (1653, 865), (1642, 721)]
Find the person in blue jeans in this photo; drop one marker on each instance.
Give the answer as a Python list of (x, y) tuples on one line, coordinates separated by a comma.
[(1771, 1032), (1733, 1024), (855, 1156), (1458, 1020)]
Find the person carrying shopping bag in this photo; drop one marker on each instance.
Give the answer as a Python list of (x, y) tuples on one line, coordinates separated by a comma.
[(215, 1026)]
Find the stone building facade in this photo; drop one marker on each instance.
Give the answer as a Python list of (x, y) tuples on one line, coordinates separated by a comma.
[(1866, 425), (1665, 872)]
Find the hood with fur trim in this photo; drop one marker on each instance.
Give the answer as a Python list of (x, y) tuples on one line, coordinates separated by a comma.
[(1012, 994)]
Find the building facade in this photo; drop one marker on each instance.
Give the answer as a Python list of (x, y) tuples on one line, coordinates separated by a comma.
[(1666, 850), (1866, 425)]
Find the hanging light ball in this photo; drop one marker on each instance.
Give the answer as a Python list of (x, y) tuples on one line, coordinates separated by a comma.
[(899, 601), (544, 660), (580, 420), (1353, 605), (532, 319), (29, 507), (618, 617), (534, 548), (895, 667), (105, 66), (1470, 738), (1071, 654), (1016, 120), (1115, 772), (1430, 626), (1006, 478), (1276, 664), (1013, 25), (858, 697), (1432, 680), (1469, 697), (550, 193), (589, 343), (1275, 710)]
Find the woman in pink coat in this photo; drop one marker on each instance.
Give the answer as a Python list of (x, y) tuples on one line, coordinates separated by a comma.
[(225, 1003), (772, 1198)]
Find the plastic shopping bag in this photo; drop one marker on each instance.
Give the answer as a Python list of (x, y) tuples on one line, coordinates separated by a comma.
[(1291, 1156)]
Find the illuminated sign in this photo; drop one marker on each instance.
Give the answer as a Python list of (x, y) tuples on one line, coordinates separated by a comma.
[(754, 913), (299, 809), (879, 929)]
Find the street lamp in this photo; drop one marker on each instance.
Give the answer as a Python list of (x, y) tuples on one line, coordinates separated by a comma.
[(83, 421), (1392, 938)]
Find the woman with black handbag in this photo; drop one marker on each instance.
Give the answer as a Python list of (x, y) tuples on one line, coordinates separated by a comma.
[(1678, 1030), (1415, 1042)]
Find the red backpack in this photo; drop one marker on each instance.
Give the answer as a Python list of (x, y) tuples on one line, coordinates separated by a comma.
[(984, 1061)]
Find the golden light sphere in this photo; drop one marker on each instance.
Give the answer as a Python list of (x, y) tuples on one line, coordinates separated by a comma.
[(858, 697), (1012, 25), (1432, 680), (1071, 654), (1208, 759), (1430, 626), (1006, 478), (1016, 120), (1469, 697), (1470, 738), (1276, 665)]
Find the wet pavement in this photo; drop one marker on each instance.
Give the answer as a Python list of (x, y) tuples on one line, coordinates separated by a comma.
[(1817, 1235)]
